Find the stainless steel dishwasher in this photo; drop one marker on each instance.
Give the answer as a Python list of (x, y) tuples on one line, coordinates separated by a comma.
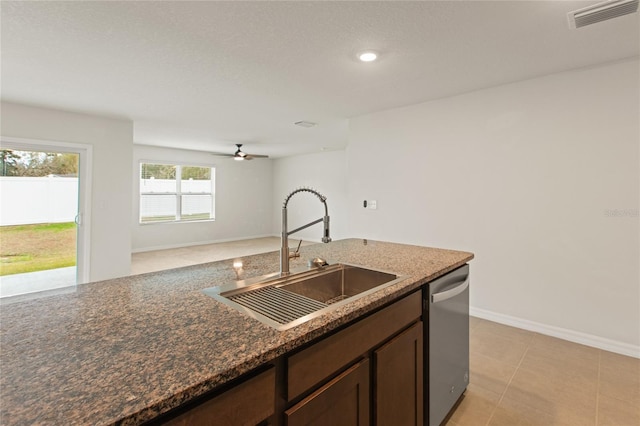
[(446, 340)]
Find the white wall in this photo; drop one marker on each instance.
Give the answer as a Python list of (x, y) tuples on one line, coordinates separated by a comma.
[(48, 199), (540, 179), (242, 209), (326, 173), (111, 175)]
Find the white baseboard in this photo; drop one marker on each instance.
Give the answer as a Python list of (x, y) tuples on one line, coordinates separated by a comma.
[(561, 333), (197, 243)]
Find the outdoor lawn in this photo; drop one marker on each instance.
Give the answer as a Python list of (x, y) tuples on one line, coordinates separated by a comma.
[(30, 248)]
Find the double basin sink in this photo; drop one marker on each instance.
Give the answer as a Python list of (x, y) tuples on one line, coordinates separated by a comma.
[(284, 302)]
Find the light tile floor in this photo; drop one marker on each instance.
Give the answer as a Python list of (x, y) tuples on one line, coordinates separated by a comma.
[(517, 377), (160, 260)]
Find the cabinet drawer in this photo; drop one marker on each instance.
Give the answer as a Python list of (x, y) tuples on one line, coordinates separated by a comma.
[(248, 403), (317, 362)]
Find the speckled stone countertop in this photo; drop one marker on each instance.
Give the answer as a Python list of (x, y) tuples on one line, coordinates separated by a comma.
[(125, 350)]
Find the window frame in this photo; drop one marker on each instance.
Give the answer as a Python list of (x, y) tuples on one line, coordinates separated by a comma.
[(178, 193)]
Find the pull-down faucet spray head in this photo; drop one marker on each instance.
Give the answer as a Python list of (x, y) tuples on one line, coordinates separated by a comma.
[(325, 233)]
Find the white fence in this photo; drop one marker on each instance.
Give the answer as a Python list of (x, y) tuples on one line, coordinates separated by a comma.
[(170, 185), (27, 200)]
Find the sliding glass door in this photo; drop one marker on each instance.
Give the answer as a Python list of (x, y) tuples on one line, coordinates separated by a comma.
[(44, 220)]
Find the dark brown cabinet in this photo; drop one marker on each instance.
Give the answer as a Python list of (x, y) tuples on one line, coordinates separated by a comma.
[(370, 372), (383, 350), (344, 401), (316, 363), (398, 380), (248, 403)]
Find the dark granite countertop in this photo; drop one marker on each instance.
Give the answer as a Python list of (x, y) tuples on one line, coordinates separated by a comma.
[(125, 350)]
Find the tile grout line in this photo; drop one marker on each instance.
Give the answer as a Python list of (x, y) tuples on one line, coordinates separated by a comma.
[(598, 385), (493, 412)]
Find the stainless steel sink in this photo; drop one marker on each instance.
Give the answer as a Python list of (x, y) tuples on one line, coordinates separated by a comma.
[(284, 302), (338, 284)]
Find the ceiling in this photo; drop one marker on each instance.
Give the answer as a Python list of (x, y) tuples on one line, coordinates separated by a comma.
[(207, 75)]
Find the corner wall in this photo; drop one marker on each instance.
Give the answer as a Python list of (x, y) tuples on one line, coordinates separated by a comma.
[(540, 179), (112, 141), (324, 172), (243, 201)]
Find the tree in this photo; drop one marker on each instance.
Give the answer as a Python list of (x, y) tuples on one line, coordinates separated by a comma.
[(8, 162), (31, 163), (64, 164), (196, 173), (158, 171)]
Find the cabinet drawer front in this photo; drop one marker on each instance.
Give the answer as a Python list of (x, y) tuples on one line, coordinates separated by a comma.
[(314, 364), (248, 403), (342, 401)]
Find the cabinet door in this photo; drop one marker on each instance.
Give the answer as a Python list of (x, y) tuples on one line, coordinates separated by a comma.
[(344, 401), (398, 380), (314, 364)]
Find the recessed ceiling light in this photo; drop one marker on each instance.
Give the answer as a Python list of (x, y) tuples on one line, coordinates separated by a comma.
[(368, 56)]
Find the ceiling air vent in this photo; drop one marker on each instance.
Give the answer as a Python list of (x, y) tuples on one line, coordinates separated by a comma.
[(306, 124), (601, 12)]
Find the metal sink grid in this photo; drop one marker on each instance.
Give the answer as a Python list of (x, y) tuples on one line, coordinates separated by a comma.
[(277, 304)]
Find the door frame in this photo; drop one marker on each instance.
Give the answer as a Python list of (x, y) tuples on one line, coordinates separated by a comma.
[(85, 151)]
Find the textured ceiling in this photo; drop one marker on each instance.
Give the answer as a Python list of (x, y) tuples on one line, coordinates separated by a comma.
[(206, 75)]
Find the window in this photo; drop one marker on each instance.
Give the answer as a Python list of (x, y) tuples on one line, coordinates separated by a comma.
[(176, 193)]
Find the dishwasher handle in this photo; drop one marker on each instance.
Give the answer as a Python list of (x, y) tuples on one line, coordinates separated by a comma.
[(448, 294)]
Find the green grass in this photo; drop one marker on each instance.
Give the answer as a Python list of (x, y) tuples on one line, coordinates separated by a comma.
[(30, 248)]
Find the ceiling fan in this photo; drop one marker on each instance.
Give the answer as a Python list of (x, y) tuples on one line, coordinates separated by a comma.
[(239, 155)]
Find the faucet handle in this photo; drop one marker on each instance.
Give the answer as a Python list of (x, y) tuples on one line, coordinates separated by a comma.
[(297, 252), (317, 262)]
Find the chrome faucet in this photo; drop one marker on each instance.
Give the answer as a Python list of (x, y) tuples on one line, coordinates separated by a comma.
[(284, 249)]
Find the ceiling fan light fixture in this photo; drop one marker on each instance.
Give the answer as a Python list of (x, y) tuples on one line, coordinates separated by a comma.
[(601, 12), (240, 155)]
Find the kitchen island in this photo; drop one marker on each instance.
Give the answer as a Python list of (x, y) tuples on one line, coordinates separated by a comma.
[(126, 350)]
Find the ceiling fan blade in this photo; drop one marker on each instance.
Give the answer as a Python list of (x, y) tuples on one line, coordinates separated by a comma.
[(221, 154), (257, 156)]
